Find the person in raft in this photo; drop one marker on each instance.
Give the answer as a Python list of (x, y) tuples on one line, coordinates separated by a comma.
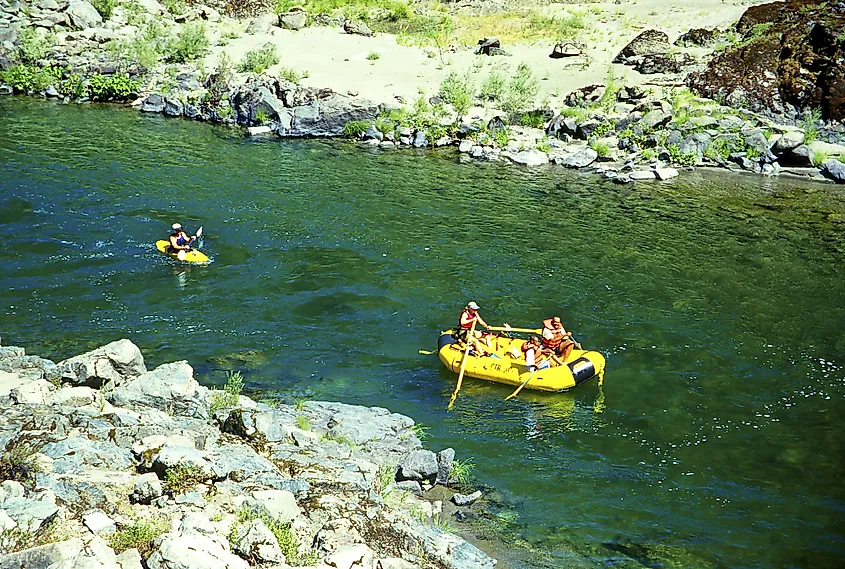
[(531, 349), (468, 316), (556, 339), (179, 240)]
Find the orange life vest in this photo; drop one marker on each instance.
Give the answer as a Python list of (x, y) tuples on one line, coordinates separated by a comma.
[(557, 335), (528, 346)]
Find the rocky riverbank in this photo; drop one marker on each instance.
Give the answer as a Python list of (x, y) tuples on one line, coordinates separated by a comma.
[(106, 464), (641, 123)]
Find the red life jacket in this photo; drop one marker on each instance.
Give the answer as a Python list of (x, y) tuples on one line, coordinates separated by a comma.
[(528, 346), (557, 335), (469, 317)]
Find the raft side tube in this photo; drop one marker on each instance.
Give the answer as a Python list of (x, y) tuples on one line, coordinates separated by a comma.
[(582, 369)]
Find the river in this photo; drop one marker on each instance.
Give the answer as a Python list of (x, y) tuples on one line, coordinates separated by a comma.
[(719, 301)]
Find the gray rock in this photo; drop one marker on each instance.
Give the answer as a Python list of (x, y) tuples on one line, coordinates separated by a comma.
[(294, 20), (12, 489), (115, 362), (530, 157), (411, 486), (262, 24), (580, 159), (154, 103), (654, 119), (642, 175), (758, 142), (256, 541), (83, 15), (191, 111), (674, 138), (170, 457), (169, 387), (395, 563), (279, 504), (147, 488), (695, 144), (465, 146), (665, 173), (800, 157), (190, 499), (565, 49), (47, 5), (129, 559), (76, 493), (74, 396), (196, 522), (420, 139), (79, 553), (652, 63), (835, 170), (561, 125), (99, 523), (586, 129), (193, 551), (372, 133), (466, 499), (648, 42), (36, 392), (30, 515), (299, 488), (328, 116), (357, 28), (351, 556), (49, 370), (628, 120), (585, 96), (788, 141), (173, 107), (77, 454), (418, 465), (731, 123)]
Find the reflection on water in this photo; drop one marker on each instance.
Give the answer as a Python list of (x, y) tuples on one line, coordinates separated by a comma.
[(715, 439)]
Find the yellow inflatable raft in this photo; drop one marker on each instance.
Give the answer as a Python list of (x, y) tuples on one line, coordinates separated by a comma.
[(503, 368), (192, 256)]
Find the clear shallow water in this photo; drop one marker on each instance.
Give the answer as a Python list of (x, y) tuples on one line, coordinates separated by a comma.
[(719, 302)]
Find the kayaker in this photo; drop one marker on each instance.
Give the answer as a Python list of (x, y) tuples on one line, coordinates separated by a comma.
[(468, 316), (179, 240), (556, 339)]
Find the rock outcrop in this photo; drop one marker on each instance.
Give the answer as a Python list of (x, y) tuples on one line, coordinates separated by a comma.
[(791, 59), (148, 458)]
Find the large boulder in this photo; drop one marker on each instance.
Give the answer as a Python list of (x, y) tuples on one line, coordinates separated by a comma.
[(278, 504), (530, 157), (585, 96), (153, 103), (90, 552), (648, 42), (696, 144), (654, 63), (835, 170), (193, 551), (699, 37), (580, 159), (169, 387), (293, 20), (116, 362), (789, 61), (418, 465), (357, 28), (561, 125), (256, 541), (83, 15), (329, 115)]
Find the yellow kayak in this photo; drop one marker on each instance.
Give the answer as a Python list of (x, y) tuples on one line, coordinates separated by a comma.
[(501, 367), (192, 256)]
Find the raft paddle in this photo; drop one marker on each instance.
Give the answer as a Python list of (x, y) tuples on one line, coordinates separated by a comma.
[(426, 352), (524, 383), (463, 364), (509, 329)]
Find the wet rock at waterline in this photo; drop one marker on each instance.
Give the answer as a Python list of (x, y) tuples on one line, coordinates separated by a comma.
[(164, 459)]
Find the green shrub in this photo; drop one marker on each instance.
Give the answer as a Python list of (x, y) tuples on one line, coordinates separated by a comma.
[(303, 422), (291, 74), (175, 7), (183, 478), (385, 125), (104, 7), (373, 55), (533, 119), (601, 148), (299, 402), (259, 60), (649, 154), (287, 539), (502, 137), (31, 46), (17, 462), (112, 87), (522, 89), (140, 535), (544, 146), (461, 471), (676, 157), (145, 48), (494, 87), (30, 78), (230, 395), (421, 431), (73, 86), (565, 27), (604, 128), (457, 90), (811, 125), (724, 146), (191, 44)]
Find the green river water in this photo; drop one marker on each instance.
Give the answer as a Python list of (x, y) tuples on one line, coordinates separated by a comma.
[(719, 302)]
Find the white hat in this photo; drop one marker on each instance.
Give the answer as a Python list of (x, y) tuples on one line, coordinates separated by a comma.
[(473, 305), (176, 226)]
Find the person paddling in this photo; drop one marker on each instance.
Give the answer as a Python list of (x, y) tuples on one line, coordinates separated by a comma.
[(468, 316), (179, 240), (556, 339)]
